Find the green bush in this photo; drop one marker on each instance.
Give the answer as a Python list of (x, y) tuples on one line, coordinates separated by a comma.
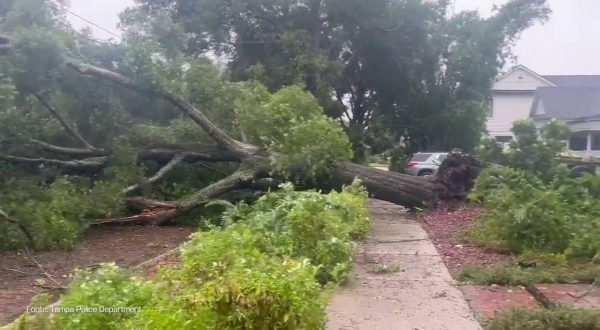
[(107, 287), (532, 150), (542, 319), (310, 225), (225, 282), (524, 213), (264, 293)]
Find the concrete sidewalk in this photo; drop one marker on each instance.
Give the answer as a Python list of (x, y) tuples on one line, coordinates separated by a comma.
[(419, 296)]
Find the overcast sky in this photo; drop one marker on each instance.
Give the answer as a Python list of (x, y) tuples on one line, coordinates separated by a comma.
[(567, 44)]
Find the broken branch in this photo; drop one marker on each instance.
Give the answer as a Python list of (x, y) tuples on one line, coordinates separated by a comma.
[(193, 153), (224, 140), (171, 165), (84, 165), (157, 212), (68, 127), (66, 150), (24, 230)]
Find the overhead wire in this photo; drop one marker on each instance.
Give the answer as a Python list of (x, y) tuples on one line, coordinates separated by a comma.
[(89, 21)]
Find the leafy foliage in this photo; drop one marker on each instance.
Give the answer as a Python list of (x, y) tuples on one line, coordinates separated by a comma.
[(55, 215), (532, 203), (523, 213), (107, 287), (310, 225), (260, 271), (532, 150), (292, 122)]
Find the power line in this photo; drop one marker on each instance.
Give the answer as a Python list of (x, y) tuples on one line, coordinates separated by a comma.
[(90, 22)]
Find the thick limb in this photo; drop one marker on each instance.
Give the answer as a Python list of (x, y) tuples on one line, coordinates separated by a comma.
[(170, 166), (224, 140)]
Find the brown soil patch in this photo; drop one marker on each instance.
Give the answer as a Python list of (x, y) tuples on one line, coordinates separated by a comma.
[(125, 245), (445, 228)]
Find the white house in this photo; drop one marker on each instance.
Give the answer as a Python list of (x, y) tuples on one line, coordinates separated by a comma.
[(522, 93)]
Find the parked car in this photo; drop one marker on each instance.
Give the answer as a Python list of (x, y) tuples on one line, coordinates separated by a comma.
[(425, 163)]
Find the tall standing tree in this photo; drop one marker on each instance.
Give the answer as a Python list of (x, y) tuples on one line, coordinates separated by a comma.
[(405, 67)]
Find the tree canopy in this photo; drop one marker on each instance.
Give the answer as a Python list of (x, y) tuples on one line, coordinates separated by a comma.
[(386, 68)]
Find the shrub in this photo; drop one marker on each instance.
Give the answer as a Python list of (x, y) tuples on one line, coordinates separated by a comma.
[(225, 282), (532, 150), (310, 225), (352, 202), (264, 293), (108, 286), (524, 213), (543, 319)]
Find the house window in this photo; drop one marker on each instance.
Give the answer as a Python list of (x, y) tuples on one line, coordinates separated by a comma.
[(578, 142), (490, 110)]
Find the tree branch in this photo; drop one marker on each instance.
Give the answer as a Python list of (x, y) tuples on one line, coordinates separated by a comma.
[(239, 148), (171, 165), (193, 153), (68, 127), (89, 164), (66, 150), (7, 218), (157, 212)]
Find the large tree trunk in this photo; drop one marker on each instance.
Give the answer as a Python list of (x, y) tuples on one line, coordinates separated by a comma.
[(395, 188)]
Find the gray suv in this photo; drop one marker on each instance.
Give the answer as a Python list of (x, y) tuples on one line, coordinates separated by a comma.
[(425, 163)]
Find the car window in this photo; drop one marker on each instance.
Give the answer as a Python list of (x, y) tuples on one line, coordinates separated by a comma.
[(441, 157), (420, 157)]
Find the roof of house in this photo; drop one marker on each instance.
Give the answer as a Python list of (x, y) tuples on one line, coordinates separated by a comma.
[(575, 81), (567, 102)]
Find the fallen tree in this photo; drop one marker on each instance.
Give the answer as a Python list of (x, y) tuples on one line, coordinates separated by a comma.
[(255, 162)]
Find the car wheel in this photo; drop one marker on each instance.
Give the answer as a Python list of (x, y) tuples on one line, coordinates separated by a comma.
[(425, 173)]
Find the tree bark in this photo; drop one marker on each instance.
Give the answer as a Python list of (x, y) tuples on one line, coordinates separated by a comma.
[(89, 165), (405, 190), (171, 165), (158, 212)]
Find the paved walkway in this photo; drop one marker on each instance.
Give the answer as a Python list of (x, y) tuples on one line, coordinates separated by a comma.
[(419, 296)]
